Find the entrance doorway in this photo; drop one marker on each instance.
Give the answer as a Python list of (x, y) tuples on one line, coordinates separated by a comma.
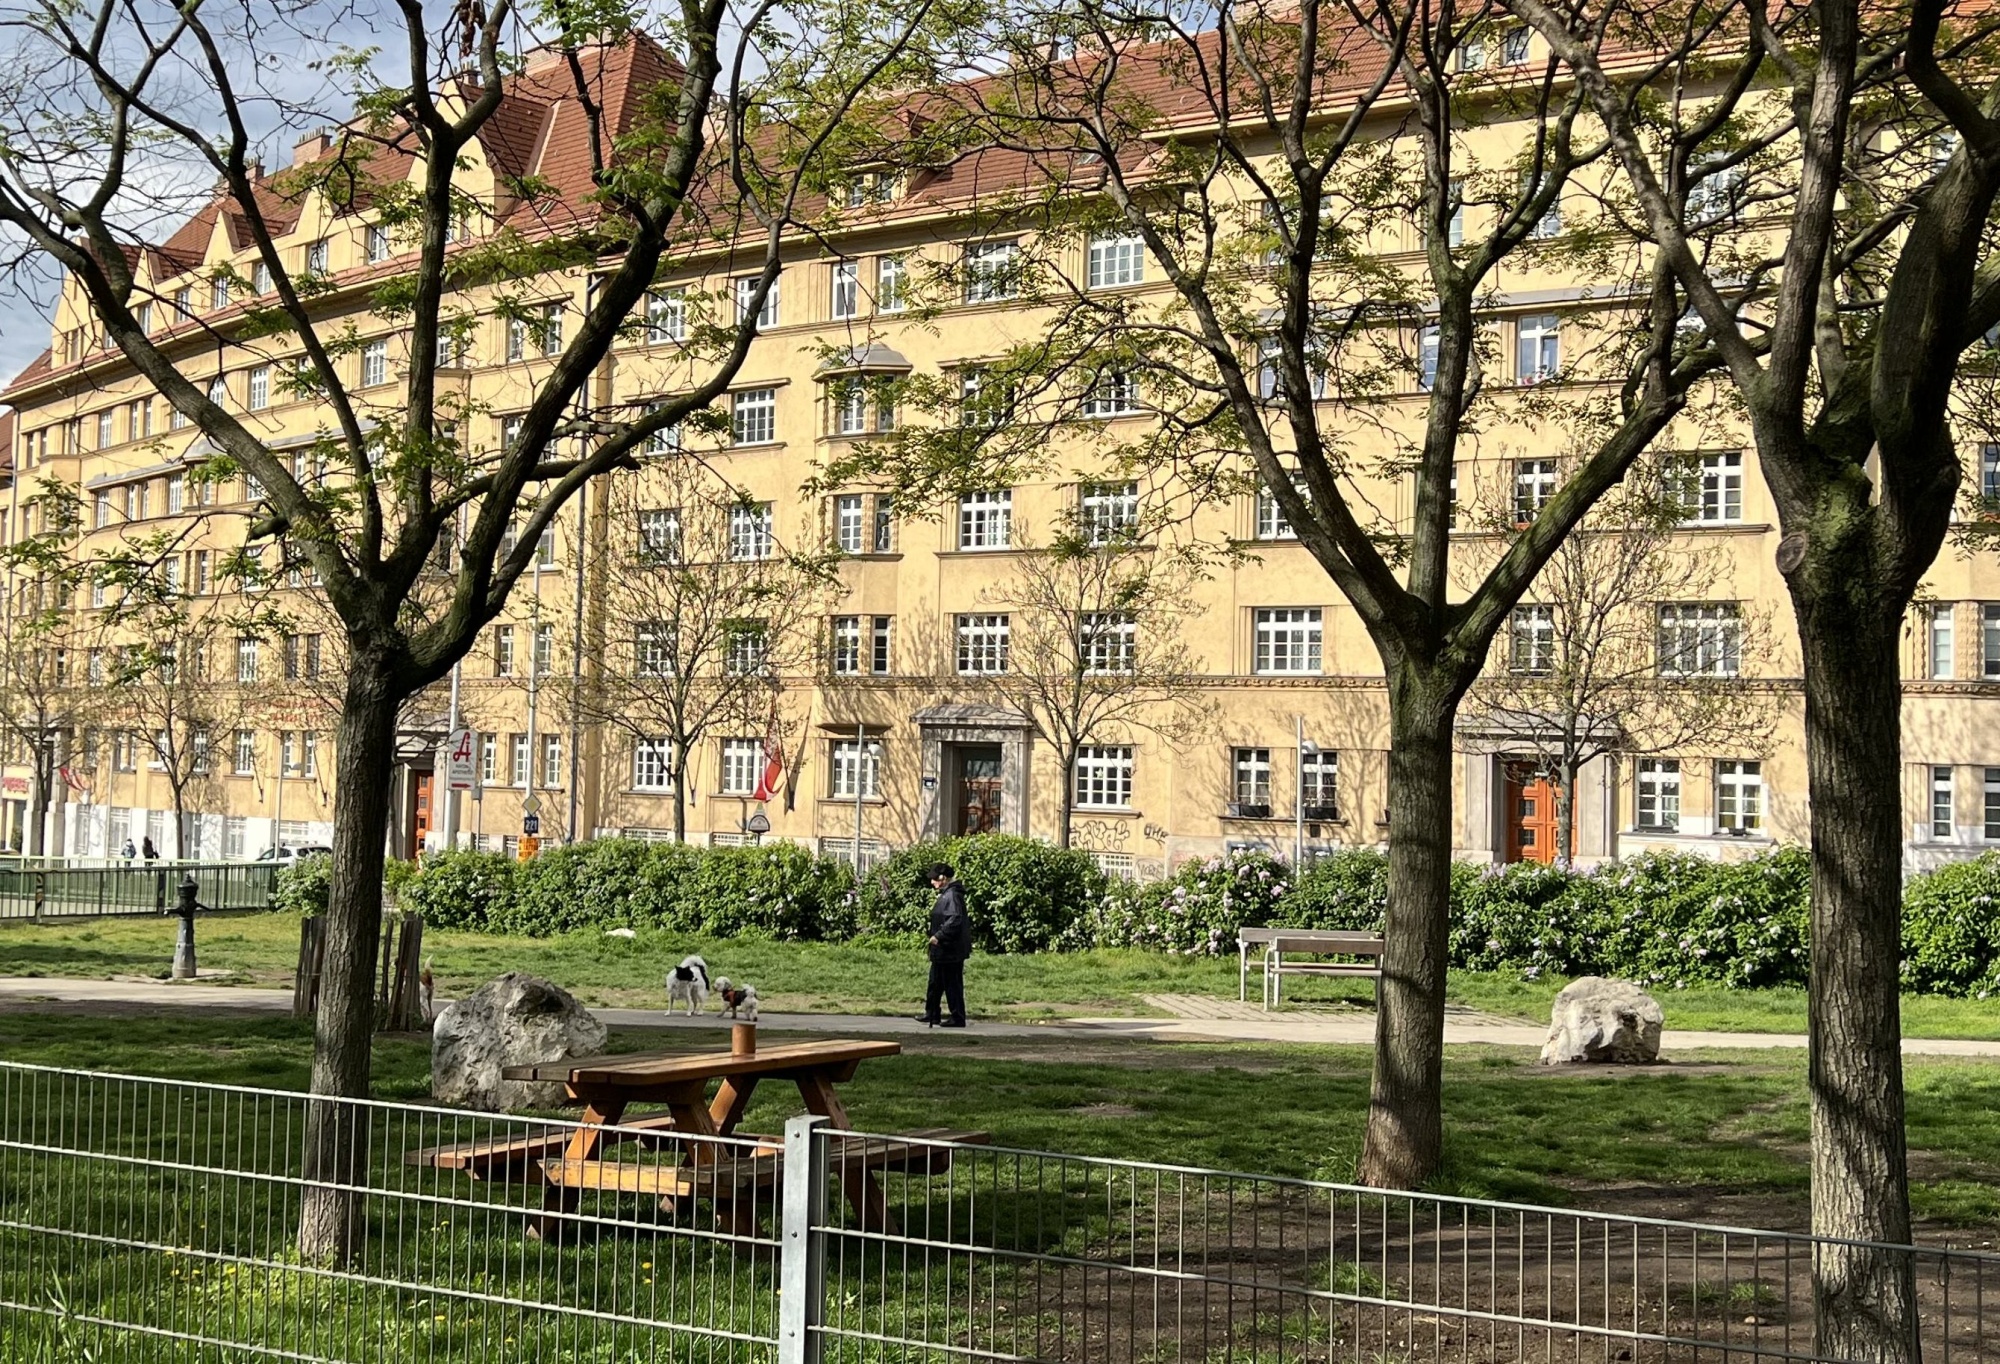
[(420, 815), (1531, 814), (978, 804)]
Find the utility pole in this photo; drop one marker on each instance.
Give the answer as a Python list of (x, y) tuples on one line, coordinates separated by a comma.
[(450, 795), (1299, 795), (576, 667), (860, 766)]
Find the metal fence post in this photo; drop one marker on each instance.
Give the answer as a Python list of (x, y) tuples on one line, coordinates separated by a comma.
[(802, 1248)]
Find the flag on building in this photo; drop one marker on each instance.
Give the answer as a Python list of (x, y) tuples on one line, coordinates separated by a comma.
[(773, 773)]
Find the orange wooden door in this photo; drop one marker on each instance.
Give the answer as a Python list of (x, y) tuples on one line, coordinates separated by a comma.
[(1531, 815), (420, 821)]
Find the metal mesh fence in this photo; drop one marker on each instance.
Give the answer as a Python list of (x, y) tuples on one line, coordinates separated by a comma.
[(49, 890), (147, 1220), (150, 1221), (1026, 1255)]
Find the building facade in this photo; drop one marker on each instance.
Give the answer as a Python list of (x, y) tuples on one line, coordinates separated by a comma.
[(884, 708)]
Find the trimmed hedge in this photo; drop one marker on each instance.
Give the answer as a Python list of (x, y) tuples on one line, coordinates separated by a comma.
[(1022, 896), (1664, 919)]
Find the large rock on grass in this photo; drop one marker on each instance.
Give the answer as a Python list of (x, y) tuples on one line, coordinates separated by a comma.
[(1603, 1021), (516, 1020)]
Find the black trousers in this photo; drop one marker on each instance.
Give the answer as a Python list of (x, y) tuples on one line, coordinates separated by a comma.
[(948, 981)]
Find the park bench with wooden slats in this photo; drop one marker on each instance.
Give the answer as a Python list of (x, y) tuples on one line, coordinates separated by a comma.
[(1311, 942)]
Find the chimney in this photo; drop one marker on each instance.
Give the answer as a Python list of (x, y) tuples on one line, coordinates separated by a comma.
[(312, 147)]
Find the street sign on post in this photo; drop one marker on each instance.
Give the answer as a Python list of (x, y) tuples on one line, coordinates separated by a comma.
[(531, 824), (461, 760)]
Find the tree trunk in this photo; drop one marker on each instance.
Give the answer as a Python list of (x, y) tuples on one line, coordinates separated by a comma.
[(680, 795), (1865, 1299), (336, 1154), (1067, 817), (45, 778), (1404, 1145), (1565, 813)]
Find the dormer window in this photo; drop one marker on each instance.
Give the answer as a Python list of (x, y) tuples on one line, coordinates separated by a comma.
[(218, 292), (872, 187), (377, 245), (316, 257), (260, 279)]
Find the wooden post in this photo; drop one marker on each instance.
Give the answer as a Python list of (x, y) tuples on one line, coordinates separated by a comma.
[(305, 982), (743, 1039)]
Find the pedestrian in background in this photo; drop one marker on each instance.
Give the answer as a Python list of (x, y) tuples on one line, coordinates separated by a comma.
[(950, 946)]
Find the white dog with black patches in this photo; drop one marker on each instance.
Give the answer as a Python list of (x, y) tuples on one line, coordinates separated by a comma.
[(738, 1001), (688, 984)]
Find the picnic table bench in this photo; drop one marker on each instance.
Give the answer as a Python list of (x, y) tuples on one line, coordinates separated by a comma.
[(1318, 943), (570, 1160)]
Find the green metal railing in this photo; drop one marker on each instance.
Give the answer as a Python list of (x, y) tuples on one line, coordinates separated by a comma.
[(45, 888)]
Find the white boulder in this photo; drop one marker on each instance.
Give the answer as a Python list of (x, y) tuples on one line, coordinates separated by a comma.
[(1601, 1020), (515, 1020)]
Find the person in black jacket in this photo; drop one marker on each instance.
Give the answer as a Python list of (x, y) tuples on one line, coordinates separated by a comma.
[(951, 944)]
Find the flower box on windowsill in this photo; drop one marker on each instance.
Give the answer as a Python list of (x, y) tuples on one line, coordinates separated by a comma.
[(1321, 814), (1241, 809)]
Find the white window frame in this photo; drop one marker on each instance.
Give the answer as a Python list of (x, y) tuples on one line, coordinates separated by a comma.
[(990, 271), (260, 387), (1657, 795), (375, 244), (745, 292), (1250, 777), (741, 765), (753, 416), (844, 296), (666, 316), (1531, 633), (653, 648), (1108, 510), (1739, 796), (1287, 641), (243, 753), (1107, 642), (1989, 640), (1700, 639), (374, 363), (1941, 641), (1710, 488), (653, 763), (892, 283), (1537, 348), (845, 650), (1113, 393), (1535, 482), (1115, 260), (1990, 827), (750, 532), (1943, 804), (986, 520), (849, 760), (850, 523), (1103, 777), (983, 640), (1319, 784)]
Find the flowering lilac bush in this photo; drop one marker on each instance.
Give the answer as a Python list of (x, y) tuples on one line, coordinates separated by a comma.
[(1951, 930), (1197, 910)]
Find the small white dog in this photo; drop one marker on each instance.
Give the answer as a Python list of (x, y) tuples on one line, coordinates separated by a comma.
[(688, 984), (738, 1001)]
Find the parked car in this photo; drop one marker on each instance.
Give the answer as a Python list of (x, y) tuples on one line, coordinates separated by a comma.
[(287, 855)]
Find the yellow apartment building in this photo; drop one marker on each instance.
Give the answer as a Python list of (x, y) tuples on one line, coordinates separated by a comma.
[(892, 726)]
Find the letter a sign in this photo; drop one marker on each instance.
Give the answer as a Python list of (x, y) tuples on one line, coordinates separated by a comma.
[(461, 760)]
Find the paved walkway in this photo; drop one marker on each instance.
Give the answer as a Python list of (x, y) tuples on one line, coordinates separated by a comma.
[(1240, 1025)]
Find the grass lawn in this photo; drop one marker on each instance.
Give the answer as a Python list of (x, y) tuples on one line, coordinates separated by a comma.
[(1719, 1139), (868, 976)]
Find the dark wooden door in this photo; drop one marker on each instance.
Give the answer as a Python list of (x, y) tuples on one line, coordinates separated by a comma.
[(1531, 815), (979, 789)]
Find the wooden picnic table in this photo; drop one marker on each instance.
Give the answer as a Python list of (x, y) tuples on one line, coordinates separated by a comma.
[(607, 1085)]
